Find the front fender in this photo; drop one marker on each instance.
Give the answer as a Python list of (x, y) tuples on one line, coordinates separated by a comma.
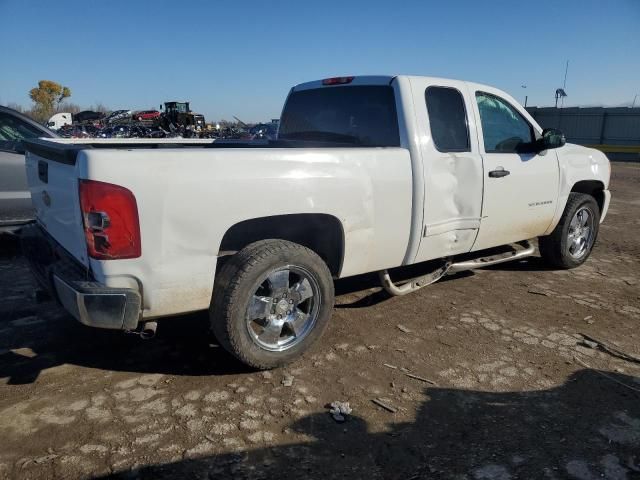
[(580, 164)]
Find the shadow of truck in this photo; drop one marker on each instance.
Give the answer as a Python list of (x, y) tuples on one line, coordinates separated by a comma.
[(587, 428)]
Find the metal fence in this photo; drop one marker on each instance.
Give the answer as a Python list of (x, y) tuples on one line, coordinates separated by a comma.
[(615, 131)]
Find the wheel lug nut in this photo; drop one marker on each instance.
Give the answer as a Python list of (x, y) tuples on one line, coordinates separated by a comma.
[(291, 302), (279, 317)]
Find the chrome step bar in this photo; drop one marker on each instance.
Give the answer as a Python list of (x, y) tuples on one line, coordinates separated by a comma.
[(526, 250), (413, 284)]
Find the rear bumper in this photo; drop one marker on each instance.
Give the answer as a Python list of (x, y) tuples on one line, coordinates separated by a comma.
[(13, 227), (15, 212), (90, 302)]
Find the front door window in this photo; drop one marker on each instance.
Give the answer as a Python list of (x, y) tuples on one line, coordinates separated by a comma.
[(504, 130)]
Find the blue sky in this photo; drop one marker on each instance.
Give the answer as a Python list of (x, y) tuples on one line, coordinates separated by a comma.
[(241, 57)]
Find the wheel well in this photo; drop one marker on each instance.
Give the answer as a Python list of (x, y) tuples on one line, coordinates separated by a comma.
[(319, 232), (594, 188)]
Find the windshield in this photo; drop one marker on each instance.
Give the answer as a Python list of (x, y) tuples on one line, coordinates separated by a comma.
[(359, 115)]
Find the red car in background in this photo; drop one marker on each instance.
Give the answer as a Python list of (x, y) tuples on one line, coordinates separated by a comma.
[(147, 115)]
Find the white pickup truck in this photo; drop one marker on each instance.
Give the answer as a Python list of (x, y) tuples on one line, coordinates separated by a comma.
[(368, 173)]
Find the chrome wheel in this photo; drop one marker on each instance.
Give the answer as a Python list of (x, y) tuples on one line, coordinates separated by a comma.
[(581, 232), (283, 309)]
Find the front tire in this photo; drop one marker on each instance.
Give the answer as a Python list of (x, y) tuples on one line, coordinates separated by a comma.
[(272, 300), (571, 242)]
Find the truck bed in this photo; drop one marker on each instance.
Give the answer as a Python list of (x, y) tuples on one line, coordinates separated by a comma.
[(190, 193)]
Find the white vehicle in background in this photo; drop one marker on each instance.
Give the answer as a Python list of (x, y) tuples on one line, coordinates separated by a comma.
[(368, 173), (59, 120)]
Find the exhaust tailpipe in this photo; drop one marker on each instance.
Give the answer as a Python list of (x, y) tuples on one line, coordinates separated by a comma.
[(148, 330)]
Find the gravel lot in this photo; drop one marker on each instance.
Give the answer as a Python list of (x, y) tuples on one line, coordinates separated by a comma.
[(514, 389)]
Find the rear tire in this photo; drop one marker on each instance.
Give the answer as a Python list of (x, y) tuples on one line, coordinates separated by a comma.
[(272, 300), (571, 242)]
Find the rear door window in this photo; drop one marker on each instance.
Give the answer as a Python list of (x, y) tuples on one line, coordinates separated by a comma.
[(448, 119), (358, 115)]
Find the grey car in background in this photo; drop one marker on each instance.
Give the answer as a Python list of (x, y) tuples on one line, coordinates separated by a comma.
[(15, 200)]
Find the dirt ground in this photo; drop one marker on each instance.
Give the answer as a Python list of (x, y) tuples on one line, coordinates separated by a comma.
[(513, 391)]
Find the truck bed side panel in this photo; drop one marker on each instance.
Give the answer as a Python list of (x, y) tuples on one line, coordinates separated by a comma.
[(187, 200)]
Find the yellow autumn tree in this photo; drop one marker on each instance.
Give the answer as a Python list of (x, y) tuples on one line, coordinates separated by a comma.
[(46, 96)]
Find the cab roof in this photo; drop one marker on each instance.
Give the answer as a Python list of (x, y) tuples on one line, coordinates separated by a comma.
[(378, 80)]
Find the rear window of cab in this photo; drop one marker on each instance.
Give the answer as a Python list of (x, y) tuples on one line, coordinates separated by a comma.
[(363, 115)]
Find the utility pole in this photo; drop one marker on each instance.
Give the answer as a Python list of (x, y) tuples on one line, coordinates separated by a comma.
[(525, 97), (564, 85), (634, 101), (561, 92)]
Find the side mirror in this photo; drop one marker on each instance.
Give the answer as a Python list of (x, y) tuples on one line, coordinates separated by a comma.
[(551, 138)]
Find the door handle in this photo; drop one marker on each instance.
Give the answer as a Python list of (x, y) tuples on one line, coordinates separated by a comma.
[(499, 172)]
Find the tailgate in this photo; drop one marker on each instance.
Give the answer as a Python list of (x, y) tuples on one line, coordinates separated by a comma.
[(53, 182)]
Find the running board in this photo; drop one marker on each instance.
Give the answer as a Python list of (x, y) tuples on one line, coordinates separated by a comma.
[(526, 251), (413, 284), (422, 281)]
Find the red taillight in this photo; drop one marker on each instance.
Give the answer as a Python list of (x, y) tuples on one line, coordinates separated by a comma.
[(110, 216), (337, 80)]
